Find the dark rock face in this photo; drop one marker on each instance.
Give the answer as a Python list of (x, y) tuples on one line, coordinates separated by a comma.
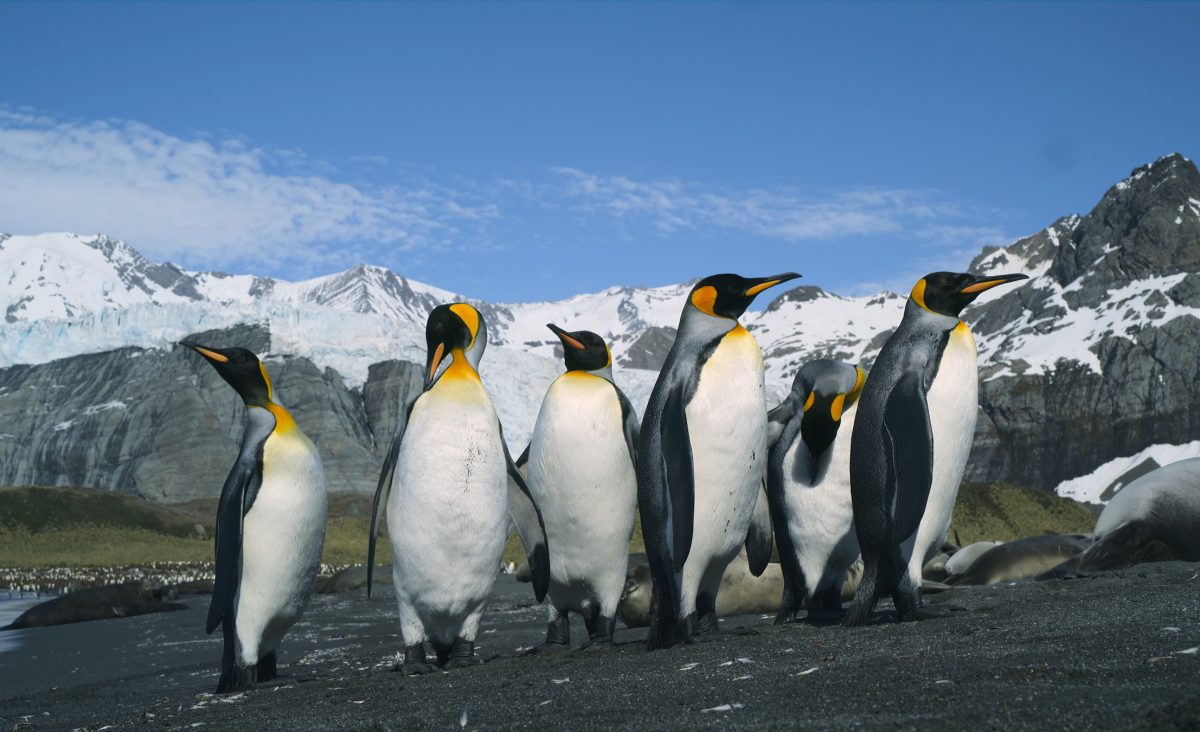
[(650, 349), (1038, 429), (163, 425)]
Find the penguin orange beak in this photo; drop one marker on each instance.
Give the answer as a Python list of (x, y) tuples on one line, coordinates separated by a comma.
[(987, 283), (566, 338), (435, 360), (764, 283), (208, 353)]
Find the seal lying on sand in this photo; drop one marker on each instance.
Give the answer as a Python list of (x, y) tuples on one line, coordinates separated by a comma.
[(1154, 518), (740, 591), (962, 559), (1021, 559), (351, 578), (96, 603)]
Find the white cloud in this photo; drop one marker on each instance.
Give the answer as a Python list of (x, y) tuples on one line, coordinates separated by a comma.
[(206, 200), (780, 213)]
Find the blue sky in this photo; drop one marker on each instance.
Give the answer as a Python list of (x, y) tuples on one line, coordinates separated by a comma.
[(531, 151)]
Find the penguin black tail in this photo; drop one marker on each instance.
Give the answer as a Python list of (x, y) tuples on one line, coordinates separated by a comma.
[(665, 627), (867, 594)]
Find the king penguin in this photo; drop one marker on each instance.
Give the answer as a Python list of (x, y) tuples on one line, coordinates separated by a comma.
[(581, 462), (910, 443), (702, 453), (808, 487), (270, 526), (449, 487)]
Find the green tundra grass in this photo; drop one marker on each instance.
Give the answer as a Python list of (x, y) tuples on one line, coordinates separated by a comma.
[(46, 527)]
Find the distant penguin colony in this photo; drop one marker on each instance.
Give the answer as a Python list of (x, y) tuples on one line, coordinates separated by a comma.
[(850, 481)]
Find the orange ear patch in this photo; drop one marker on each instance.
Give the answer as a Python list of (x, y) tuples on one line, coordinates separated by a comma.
[(705, 299)]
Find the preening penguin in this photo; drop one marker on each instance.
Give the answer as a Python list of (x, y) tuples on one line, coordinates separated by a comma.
[(446, 487), (270, 526), (911, 439), (808, 487), (701, 455), (581, 473)]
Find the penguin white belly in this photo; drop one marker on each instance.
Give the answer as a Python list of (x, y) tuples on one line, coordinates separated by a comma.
[(727, 422), (447, 513), (821, 516), (282, 538), (582, 477), (953, 400)]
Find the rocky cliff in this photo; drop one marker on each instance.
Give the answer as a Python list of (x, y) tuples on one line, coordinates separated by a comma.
[(160, 423), (1098, 355)]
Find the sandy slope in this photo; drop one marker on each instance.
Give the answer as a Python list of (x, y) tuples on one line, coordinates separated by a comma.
[(1101, 652)]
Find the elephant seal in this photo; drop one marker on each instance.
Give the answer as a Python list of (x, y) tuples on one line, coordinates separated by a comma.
[(1021, 559), (935, 569), (740, 591), (351, 578), (1154, 518), (965, 557), (96, 603)]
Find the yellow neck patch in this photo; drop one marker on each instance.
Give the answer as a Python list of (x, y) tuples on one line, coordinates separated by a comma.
[(918, 293), (284, 422), (812, 397), (962, 328), (858, 384), (469, 316), (459, 368), (705, 299), (267, 379)]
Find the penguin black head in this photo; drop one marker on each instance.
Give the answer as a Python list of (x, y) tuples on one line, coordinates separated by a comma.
[(455, 329), (728, 295), (241, 369), (583, 350), (947, 293), (828, 389)]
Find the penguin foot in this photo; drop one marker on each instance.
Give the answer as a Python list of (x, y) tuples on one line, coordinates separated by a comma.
[(708, 623), (462, 655), (415, 663), (417, 669), (824, 617), (264, 670), (600, 643), (235, 678)]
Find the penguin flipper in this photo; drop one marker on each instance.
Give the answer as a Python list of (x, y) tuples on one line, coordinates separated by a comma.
[(759, 541), (908, 446), (793, 576), (527, 519), (383, 489), (778, 418), (680, 475), (629, 424), (237, 496)]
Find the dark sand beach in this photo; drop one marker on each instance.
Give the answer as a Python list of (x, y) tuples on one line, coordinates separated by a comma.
[(1105, 652)]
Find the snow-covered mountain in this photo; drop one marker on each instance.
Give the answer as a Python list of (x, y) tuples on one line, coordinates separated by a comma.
[(1107, 318)]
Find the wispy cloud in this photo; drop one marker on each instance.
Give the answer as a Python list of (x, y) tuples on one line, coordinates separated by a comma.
[(780, 213), (221, 202), (209, 200)]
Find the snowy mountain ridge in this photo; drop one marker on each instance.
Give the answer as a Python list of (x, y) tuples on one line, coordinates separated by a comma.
[(1113, 299)]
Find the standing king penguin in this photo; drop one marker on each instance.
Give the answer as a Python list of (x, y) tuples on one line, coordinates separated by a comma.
[(448, 496), (808, 487), (270, 526), (702, 452), (910, 443), (581, 462)]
